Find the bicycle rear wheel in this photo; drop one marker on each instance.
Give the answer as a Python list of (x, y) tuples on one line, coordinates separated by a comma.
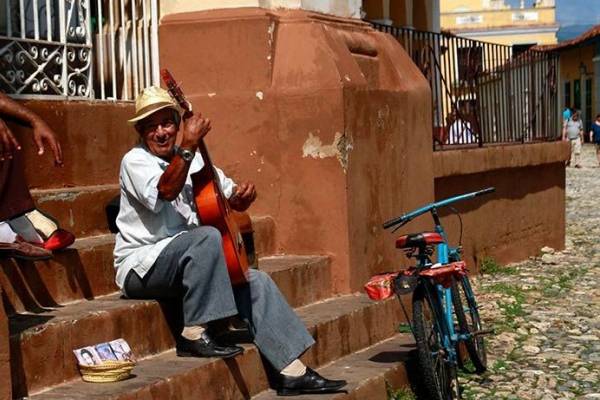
[(439, 375), (467, 315)]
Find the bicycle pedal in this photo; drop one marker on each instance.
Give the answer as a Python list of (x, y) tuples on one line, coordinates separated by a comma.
[(484, 332)]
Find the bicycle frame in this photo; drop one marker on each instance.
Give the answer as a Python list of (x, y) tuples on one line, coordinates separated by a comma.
[(444, 254), (448, 335)]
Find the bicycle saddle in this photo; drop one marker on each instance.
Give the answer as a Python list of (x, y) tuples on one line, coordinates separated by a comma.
[(418, 240)]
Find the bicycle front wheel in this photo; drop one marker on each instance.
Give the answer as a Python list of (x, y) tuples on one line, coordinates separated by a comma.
[(439, 375), (469, 322)]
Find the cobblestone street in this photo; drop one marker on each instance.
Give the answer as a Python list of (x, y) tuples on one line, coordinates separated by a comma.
[(546, 310)]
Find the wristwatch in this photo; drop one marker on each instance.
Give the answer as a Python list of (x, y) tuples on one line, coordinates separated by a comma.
[(187, 155)]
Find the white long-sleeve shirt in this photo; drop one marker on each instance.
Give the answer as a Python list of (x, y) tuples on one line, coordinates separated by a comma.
[(461, 133), (146, 223)]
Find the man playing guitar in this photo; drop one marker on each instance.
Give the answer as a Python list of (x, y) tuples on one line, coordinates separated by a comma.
[(163, 251)]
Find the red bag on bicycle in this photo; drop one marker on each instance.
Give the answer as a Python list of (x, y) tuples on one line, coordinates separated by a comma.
[(443, 275), (381, 287)]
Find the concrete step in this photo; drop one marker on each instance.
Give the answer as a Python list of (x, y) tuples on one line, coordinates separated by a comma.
[(368, 372), (79, 209), (169, 377), (302, 279), (264, 235), (86, 270), (83, 271), (41, 344), (82, 211)]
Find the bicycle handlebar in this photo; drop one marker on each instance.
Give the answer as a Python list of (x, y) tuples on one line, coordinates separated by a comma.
[(405, 218)]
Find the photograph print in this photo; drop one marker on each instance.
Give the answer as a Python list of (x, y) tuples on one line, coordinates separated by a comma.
[(105, 352), (87, 356), (121, 350)]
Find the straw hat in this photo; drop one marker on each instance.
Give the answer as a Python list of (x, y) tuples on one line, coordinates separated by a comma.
[(152, 99)]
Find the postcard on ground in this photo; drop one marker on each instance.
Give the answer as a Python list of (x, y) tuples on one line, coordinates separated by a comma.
[(87, 356), (105, 352), (121, 350)]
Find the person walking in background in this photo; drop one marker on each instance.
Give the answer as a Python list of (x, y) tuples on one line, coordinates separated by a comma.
[(595, 136), (566, 113), (25, 232), (573, 131)]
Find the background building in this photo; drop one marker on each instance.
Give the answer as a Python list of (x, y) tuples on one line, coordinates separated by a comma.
[(579, 72), (422, 15), (495, 21)]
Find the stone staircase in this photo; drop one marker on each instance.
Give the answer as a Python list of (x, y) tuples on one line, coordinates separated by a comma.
[(72, 301)]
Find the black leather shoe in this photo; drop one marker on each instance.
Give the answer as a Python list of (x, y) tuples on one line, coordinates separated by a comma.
[(205, 347), (310, 382)]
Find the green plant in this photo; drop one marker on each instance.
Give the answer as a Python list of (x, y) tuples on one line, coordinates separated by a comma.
[(499, 365), (512, 310), (399, 394), (404, 328), (489, 266), (509, 290), (564, 281)]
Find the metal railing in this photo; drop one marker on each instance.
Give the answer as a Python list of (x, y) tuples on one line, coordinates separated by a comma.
[(78, 49), (482, 92)]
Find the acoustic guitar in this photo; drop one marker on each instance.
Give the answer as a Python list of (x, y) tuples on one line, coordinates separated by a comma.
[(211, 204)]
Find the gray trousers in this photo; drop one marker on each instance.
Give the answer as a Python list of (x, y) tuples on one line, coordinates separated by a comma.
[(192, 268)]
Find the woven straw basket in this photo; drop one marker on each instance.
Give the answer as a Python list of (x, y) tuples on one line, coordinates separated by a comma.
[(108, 371)]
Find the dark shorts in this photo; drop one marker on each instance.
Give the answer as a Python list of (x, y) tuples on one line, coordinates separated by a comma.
[(15, 199)]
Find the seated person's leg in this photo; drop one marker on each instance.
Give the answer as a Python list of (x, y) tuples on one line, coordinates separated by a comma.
[(54, 237), (278, 332), (25, 228), (192, 267), (7, 235), (18, 210), (280, 335), (15, 200)]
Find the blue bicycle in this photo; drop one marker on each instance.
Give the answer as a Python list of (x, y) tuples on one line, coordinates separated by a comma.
[(445, 312)]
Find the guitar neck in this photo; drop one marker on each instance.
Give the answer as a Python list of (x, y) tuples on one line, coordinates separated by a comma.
[(206, 157), (177, 94)]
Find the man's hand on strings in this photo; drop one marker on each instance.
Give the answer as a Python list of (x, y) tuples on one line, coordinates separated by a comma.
[(243, 197)]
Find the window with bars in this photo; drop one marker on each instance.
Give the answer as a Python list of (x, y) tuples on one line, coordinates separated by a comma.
[(588, 104), (470, 62), (577, 94), (90, 49)]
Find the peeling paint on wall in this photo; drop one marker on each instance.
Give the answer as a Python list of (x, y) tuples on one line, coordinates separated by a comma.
[(270, 33), (383, 116), (62, 196), (340, 148)]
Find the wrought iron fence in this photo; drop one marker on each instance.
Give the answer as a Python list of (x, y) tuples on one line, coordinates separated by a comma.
[(81, 49), (483, 92)]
